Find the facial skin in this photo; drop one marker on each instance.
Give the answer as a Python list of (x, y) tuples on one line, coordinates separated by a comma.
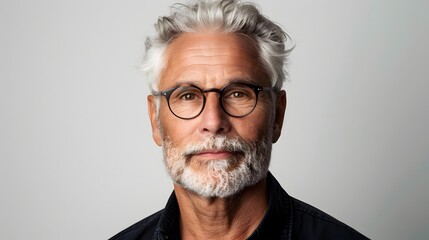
[(194, 150)]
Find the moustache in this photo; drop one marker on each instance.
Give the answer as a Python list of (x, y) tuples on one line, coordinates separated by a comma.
[(218, 143)]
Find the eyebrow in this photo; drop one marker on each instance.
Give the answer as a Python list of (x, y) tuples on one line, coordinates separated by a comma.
[(243, 80), (232, 80), (185, 82)]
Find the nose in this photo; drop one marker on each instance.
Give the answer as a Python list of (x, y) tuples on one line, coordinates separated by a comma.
[(213, 119)]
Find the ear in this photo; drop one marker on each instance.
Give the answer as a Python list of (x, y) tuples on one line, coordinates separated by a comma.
[(156, 131), (280, 113)]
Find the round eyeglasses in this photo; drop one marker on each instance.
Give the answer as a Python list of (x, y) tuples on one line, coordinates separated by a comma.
[(236, 99)]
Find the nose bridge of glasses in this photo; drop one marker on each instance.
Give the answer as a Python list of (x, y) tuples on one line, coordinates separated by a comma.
[(218, 104), (216, 90)]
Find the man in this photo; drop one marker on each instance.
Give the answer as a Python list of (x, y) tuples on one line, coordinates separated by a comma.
[(216, 70)]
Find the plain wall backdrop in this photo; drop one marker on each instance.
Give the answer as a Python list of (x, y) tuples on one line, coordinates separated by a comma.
[(76, 151)]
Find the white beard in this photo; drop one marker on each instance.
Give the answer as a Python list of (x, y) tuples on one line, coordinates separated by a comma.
[(221, 177)]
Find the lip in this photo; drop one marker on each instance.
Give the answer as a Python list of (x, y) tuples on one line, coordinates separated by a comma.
[(214, 154)]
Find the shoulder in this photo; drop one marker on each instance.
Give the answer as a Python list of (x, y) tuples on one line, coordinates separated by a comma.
[(144, 229), (312, 223)]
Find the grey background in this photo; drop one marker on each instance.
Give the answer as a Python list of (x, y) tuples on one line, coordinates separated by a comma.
[(78, 160)]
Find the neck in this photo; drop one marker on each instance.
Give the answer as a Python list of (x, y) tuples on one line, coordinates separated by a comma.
[(234, 217)]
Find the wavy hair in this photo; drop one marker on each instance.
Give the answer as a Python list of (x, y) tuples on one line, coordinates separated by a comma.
[(223, 16)]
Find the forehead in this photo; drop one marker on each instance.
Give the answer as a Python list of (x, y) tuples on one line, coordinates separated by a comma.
[(211, 59)]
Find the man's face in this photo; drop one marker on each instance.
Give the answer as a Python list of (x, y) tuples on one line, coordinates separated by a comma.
[(214, 154)]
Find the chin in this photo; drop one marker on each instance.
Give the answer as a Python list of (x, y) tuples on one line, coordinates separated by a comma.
[(218, 182)]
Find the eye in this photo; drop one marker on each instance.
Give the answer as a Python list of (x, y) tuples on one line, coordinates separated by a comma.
[(189, 96), (237, 94)]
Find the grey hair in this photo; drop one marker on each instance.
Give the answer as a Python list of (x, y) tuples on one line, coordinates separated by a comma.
[(223, 16)]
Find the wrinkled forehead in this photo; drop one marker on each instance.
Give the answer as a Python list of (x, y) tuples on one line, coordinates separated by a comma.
[(212, 58)]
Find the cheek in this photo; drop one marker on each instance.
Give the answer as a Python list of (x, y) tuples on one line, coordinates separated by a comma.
[(267, 116), (255, 126), (176, 130)]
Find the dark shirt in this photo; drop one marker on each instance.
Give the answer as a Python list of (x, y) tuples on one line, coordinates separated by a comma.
[(286, 218)]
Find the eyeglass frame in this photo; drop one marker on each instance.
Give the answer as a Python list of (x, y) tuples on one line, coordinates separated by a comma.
[(257, 89)]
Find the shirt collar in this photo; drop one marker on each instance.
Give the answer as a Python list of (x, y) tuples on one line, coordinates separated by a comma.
[(169, 223), (276, 222)]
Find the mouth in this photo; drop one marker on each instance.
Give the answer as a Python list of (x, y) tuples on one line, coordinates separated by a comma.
[(214, 154), (219, 148)]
